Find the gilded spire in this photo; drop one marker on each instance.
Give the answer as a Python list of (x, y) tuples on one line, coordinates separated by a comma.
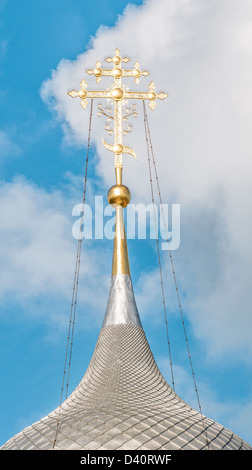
[(118, 113), (119, 197), (120, 263)]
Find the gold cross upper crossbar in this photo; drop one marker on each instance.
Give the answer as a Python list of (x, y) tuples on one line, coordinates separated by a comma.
[(120, 95)]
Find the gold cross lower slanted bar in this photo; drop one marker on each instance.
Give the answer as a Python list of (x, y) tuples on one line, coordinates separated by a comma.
[(119, 95)]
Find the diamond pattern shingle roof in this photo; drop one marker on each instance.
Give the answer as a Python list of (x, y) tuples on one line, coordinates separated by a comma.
[(123, 402)]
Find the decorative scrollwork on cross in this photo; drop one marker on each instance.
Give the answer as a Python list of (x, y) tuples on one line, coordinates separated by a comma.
[(119, 96)]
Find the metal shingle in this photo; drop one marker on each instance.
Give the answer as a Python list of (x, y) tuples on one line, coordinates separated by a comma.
[(123, 402)]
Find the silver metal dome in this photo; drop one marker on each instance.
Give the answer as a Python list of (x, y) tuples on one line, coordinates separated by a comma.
[(123, 401)]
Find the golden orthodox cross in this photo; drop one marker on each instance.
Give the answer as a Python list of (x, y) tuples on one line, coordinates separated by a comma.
[(119, 94)]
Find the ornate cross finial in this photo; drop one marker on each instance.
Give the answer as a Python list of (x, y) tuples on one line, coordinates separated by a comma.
[(120, 96)]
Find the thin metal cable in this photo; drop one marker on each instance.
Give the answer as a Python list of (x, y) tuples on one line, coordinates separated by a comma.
[(80, 245), (75, 289), (158, 251), (173, 270)]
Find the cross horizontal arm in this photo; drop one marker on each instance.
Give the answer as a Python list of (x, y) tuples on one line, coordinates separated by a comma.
[(98, 94), (117, 94), (83, 94), (143, 95), (90, 94)]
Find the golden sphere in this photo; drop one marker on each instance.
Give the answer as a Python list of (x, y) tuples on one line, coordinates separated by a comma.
[(97, 72), (119, 195), (117, 94), (152, 95), (118, 149), (136, 73), (82, 94), (116, 60), (117, 73)]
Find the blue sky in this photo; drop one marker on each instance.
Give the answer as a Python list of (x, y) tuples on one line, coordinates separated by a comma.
[(202, 144)]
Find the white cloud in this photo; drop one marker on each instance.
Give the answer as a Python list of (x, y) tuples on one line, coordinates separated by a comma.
[(7, 146), (38, 253), (201, 54), (31, 217)]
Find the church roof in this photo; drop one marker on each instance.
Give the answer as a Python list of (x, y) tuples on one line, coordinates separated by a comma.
[(123, 401)]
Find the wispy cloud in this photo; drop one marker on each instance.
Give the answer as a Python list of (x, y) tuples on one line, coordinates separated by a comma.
[(8, 148), (38, 253)]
